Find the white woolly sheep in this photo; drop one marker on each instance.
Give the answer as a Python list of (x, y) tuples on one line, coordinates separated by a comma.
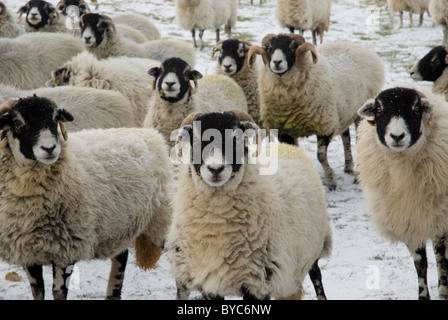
[(402, 153), (8, 26), (206, 14), (238, 232), (232, 61), (176, 98), (126, 75), (307, 92), (413, 6), (438, 10), (304, 15), (91, 197), (41, 16), (433, 67), (100, 37), (93, 109), (140, 23), (27, 61)]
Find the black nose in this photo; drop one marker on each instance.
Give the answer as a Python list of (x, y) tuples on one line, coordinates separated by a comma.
[(228, 66), (170, 84), (277, 63), (87, 38), (48, 150), (216, 169), (397, 138)]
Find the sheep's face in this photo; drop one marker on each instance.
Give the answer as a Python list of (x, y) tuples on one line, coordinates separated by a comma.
[(82, 6), (431, 66), (31, 127), (232, 56), (281, 51), (172, 79), (218, 144), (399, 115), (39, 13), (95, 28), (59, 77)]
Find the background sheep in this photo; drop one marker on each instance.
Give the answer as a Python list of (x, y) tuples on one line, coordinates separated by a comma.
[(206, 14), (126, 75), (236, 231), (101, 38), (93, 109), (433, 67), (175, 96), (402, 154), (140, 23), (306, 92), (438, 10), (413, 6), (304, 15), (91, 197), (27, 61), (41, 16), (232, 61), (8, 26)]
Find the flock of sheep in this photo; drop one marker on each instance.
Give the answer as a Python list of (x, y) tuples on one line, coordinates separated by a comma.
[(111, 139)]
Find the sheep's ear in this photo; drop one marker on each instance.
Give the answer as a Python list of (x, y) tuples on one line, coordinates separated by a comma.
[(155, 72), (368, 111), (195, 75), (22, 10), (63, 116), (5, 122), (183, 139), (428, 109)]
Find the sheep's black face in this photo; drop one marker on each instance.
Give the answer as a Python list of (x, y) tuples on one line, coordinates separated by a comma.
[(94, 28), (218, 144), (281, 53), (232, 56), (38, 13), (32, 129), (172, 79), (397, 114), (82, 6), (431, 66)]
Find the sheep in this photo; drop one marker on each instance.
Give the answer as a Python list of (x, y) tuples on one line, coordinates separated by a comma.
[(235, 231), (41, 16), (433, 67), (91, 197), (206, 14), (138, 22), (8, 26), (438, 10), (100, 37), (175, 96), (413, 6), (92, 108), (304, 15), (125, 75), (28, 60), (402, 152), (307, 92), (232, 61)]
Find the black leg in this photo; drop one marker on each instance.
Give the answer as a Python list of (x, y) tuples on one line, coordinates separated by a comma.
[(322, 147), (36, 280), (183, 293), (193, 34), (421, 266), (348, 168), (440, 250), (291, 29), (201, 33), (316, 279), (61, 277), (116, 276)]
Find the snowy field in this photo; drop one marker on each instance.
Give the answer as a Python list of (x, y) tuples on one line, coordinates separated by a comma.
[(363, 266)]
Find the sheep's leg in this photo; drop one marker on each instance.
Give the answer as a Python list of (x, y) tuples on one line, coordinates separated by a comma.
[(217, 35), (61, 277), (183, 293), (401, 19), (116, 276), (228, 30), (421, 266), (209, 296), (36, 279), (420, 22), (316, 279), (314, 37), (322, 147), (193, 34), (291, 29), (247, 295), (440, 250), (201, 33), (348, 168), (445, 34), (411, 21)]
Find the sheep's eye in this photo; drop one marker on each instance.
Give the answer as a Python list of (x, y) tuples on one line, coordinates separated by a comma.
[(378, 109), (417, 110), (18, 125)]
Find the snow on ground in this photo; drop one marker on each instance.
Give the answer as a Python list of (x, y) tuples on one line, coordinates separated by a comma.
[(362, 265)]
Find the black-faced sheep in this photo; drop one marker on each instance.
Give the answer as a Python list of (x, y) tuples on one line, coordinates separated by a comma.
[(100, 37), (232, 61), (91, 197), (306, 92), (304, 15), (236, 231), (402, 152), (206, 14), (41, 16), (181, 90)]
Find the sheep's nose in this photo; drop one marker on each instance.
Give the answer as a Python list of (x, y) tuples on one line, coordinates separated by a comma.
[(412, 73), (397, 138), (170, 84), (277, 63), (216, 169), (227, 66), (87, 39), (48, 150)]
